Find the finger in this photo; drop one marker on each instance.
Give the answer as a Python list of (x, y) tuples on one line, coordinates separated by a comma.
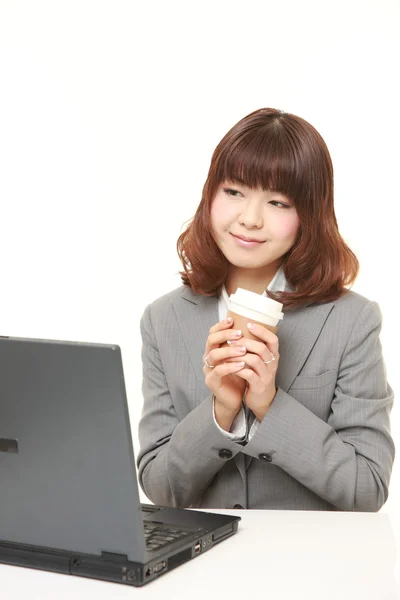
[(257, 347), (212, 341), (262, 332), (266, 337), (217, 338), (252, 380), (248, 375), (228, 322), (221, 354), (223, 369), (256, 363)]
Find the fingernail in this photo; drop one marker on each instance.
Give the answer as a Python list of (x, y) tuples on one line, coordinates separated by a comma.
[(228, 319), (250, 325)]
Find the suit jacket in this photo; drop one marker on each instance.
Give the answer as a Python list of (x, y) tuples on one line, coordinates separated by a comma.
[(325, 442)]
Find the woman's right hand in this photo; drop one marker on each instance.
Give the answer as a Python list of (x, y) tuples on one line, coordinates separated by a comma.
[(227, 389)]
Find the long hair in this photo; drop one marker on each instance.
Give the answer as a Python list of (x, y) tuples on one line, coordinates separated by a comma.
[(281, 152)]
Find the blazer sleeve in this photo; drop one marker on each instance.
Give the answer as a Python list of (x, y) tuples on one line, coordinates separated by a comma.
[(347, 460), (178, 458)]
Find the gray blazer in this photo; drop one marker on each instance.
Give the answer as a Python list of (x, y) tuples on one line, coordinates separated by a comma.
[(324, 444)]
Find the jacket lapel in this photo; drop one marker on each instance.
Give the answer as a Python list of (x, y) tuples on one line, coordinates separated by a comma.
[(297, 333)]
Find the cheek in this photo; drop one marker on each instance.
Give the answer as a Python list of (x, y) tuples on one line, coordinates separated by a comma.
[(288, 227), (220, 213)]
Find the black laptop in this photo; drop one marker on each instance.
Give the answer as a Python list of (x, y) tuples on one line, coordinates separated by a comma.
[(69, 498)]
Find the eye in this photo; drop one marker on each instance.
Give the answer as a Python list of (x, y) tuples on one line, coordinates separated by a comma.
[(231, 192), (281, 203), (228, 190)]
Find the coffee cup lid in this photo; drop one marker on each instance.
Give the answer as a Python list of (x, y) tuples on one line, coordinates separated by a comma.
[(257, 302)]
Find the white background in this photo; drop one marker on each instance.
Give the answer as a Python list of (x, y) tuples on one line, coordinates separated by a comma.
[(109, 114)]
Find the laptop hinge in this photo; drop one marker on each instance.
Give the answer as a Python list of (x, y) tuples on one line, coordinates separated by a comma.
[(114, 557)]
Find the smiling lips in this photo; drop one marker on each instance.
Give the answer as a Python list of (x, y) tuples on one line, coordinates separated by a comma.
[(247, 242)]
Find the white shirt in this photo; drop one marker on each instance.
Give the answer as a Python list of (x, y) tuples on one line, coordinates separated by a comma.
[(238, 431)]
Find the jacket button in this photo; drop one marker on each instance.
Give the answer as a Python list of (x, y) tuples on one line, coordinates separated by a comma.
[(224, 453), (238, 506), (266, 457)]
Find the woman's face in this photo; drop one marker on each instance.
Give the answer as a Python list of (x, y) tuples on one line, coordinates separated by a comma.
[(268, 217)]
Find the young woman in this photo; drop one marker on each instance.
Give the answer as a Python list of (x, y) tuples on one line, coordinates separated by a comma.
[(293, 420)]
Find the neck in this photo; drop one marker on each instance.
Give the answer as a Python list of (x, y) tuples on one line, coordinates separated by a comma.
[(250, 279)]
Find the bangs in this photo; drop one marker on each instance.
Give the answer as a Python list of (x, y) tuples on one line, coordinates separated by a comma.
[(265, 160)]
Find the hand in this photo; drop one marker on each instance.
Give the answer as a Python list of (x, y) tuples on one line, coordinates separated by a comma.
[(260, 378), (221, 379)]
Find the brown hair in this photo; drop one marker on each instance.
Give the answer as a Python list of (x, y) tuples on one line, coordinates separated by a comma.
[(280, 152)]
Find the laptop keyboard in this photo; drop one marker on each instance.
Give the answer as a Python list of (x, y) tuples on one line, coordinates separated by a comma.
[(157, 536)]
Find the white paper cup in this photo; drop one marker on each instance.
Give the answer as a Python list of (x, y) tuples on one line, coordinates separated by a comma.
[(245, 306)]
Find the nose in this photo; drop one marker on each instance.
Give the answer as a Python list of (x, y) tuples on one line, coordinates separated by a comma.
[(252, 214)]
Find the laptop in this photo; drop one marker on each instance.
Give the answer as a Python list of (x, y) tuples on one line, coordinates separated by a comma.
[(69, 500)]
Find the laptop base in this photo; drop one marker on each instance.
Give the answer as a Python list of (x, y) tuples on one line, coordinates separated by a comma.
[(111, 567)]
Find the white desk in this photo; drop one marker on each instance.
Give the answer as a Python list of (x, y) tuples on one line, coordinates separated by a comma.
[(276, 555)]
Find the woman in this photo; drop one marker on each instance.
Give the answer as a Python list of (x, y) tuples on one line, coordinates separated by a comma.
[(294, 420)]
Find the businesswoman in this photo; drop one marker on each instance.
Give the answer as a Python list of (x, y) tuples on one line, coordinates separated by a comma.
[(293, 420)]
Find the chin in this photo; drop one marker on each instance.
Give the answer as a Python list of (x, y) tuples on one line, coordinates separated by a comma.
[(247, 263)]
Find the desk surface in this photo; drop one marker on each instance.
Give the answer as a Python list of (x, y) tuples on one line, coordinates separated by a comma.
[(276, 555)]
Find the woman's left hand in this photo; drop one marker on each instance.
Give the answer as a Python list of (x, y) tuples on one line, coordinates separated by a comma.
[(260, 378)]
